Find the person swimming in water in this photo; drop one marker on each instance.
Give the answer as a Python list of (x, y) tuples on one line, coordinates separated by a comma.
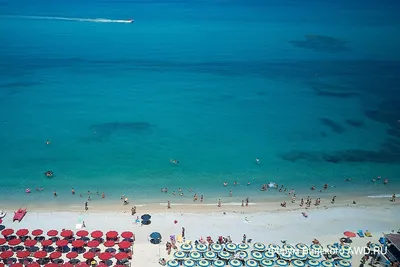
[(49, 174), (174, 161), (48, 142), (257, 160)]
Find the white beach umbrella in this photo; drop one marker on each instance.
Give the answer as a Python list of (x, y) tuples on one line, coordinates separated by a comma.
[(300, 254), (242, 254), (259, 246), (301, 246), (344, 263), (345, 255), (235, 263), (189, 263), (345, 247), (269, 255), (256, 255), (332, 249), (201, 247), (288, 248), (194, 255), (326, 264), (231, 247), (186, 247), (266, 263), (251, 263), (216, 247), (281, 263), (179, 255), (313, 263), (298, 263), (285, 255), (210, 255), (224, 255), (219, 263), (273, 247), (203, 263), (315, 255), (243, 246), (172, 263), (316, 247)]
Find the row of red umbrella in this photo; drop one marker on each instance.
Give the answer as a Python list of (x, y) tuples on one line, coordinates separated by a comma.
[(63, 243), (66, 233), (104, 256)]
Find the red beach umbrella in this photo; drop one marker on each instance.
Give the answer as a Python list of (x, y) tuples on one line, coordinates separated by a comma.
[(33, 264), (119, 265), (62, 243), (7, 232), (121, 255), (22, 232), (112, 234), (3, 241), (78, 243), (40, 254), (124, 244), (97, 234), (127, 234), (46, 243), (37, 232), (55, 255), (67, 264), (109, 243), (105, 256), (89, 255), (102, 265), (349, 234), (93, 244), (17, 265), (52, 233), (72, 255), (14, 242), (30, 242), (67, 233), (51, 264), (23, 254), (82, 233), (6, 254), (82, 264)]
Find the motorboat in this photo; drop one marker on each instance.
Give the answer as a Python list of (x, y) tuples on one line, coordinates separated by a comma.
[(19, 214), (2, 214)]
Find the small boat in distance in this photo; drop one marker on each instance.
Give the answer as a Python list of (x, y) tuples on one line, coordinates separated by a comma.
[(19, 215)]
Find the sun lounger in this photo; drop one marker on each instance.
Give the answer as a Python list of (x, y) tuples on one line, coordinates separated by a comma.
[(360, 233), (19, 215), (368, 234)]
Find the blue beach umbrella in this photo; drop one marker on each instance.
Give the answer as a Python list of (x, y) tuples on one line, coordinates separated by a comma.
[(345, 247), (201, 247), (256, 255), (344, 255), (288, 248), (281, 263), (269, 255), (299, 254), (155, 235), (326, 264), (189, 263), (172, 263), (242, 255), (210, 255), (314, 255), (235, 263), (266, 263), (186, 247), (374, 246), (251, 263), (273, 247), (224, 255), (298, 263), (219, 263), (285, 255), (231, 247), (216, 247), (301, 246), (203, 263), (332, 249), (316, 247), (179, 255), (313, 263), (194, 255), (259, 246), (344, 263), (243, 246)]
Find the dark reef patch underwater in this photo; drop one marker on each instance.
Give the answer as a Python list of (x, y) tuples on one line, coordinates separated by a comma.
[(321, 43)]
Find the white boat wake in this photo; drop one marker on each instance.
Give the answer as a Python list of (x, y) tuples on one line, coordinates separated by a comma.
[(101, 20)]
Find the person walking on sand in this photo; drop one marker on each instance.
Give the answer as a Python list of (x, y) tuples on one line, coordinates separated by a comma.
[(83, 224), (219, 203), (168, 205), (333, 200), (86, 206), (394, 198), (201, 198), (183, 232), (133, 210), (242, 203), (247, 201)]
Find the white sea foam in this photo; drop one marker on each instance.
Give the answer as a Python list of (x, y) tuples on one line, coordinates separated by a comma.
[(382, 196), (101, 20), (200, 204)]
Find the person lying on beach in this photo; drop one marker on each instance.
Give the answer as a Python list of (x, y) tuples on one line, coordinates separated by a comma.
[(283, 204)]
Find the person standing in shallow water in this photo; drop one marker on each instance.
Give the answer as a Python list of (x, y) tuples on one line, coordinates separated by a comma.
[(169, 205), (219, 203)]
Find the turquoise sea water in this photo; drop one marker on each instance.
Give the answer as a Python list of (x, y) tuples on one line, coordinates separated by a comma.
[(312, 89)]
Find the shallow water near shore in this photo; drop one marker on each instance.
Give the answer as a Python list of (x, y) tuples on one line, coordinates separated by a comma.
[(214, 85)]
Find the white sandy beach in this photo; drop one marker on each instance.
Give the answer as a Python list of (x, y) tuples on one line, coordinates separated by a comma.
[(325, 224)]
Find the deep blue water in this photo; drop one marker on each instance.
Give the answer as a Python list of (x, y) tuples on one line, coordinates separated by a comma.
[(310, 88)]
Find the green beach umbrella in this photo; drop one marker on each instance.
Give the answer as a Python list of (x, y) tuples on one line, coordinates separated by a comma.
[(201, 248), (281, 263), (210, 255), (298, 263), (256, 255), (344, 263), (266, 263), (313, 263), (186, 247), (312, 254), (345, 255), (259, 246), (216, 247), (288, 248), (179, 255), (285, 255), (219, 263), (251, 263), (231, 247), (203, 263), (345, 247), (273, 247), (224, 255), (316, 247), (235, 263), (326, 264), (194, 255), (243, 246), (269, 255), (301, 246), (299, 254), (242, 254), (172, 263), (189, 263)]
